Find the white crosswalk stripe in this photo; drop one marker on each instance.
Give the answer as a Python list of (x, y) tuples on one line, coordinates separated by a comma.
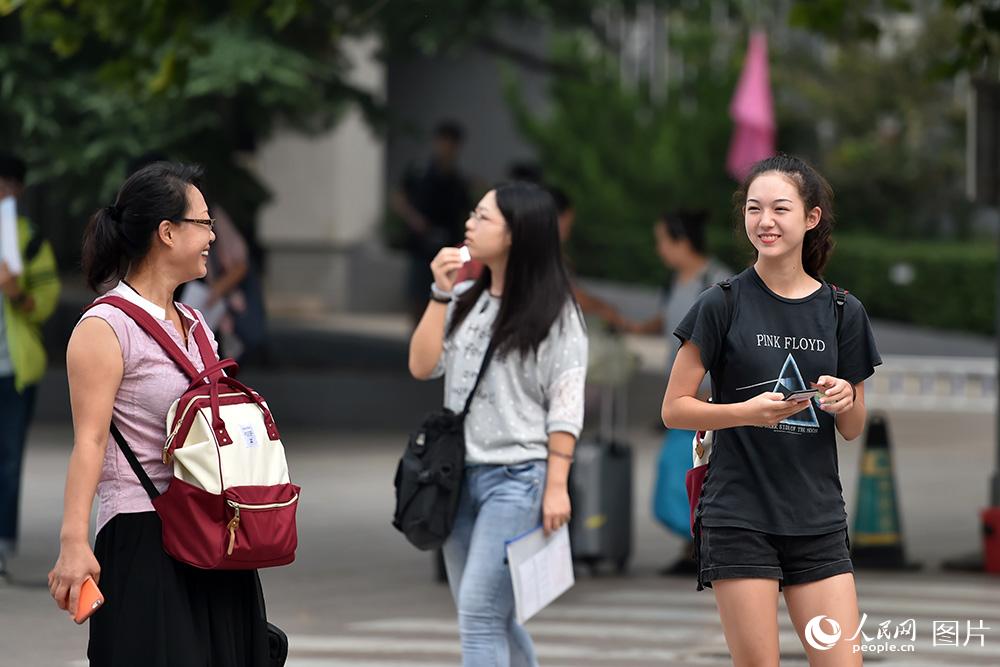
[(664, 624)]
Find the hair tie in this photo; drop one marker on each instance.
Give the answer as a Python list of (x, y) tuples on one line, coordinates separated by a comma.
[(114, 213)]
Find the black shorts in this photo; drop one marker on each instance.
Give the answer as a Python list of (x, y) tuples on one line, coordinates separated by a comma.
[(740, 553)]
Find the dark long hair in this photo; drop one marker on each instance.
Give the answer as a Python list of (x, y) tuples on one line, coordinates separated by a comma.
[(536, 285), (120, 235), (817, 247)]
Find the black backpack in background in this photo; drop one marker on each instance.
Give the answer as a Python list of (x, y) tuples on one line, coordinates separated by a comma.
[(429, 475)]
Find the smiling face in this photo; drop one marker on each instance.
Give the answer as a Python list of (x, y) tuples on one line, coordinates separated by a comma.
[(486, 232), (776, 218), (191, 240)]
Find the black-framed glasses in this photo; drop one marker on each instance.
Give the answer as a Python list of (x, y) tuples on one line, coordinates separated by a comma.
[(204, 222)]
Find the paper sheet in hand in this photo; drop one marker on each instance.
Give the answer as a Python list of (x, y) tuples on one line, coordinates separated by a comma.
[(196, 294), (541, 569), (10, 251)]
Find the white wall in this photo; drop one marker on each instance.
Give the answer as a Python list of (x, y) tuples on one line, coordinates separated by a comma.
[(327, 193)]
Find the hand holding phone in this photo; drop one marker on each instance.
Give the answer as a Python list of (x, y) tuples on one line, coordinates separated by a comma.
[(90, 600)]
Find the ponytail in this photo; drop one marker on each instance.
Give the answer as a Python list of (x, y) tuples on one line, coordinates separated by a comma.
[(103, 249)]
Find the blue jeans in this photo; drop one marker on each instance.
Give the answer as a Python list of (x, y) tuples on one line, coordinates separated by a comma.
[(497, 504), (15, 413)]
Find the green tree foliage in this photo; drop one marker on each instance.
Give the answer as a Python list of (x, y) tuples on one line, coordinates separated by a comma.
[(626, 156), (975, 47), (862, 98), (885, 129), (85, 86)]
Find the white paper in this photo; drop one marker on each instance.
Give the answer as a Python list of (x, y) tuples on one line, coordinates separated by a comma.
[(10, 251), (541, 569), (196, 295)]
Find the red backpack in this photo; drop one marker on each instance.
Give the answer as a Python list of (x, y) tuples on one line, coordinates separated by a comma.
[(230, 505)]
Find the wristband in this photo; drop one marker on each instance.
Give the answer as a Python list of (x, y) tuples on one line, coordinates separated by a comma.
[(439, 295), (568, 457)]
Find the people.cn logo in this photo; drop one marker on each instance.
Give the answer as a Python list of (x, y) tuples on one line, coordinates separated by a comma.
[(820, 639)]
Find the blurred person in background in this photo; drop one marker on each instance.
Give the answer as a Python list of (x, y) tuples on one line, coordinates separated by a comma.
[(433, 201), (27, 299), (521, 430), (680, 238)]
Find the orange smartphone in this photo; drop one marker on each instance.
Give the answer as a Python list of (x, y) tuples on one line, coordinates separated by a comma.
[(89, 602)]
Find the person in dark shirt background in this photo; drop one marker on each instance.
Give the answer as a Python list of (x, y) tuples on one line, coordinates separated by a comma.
[(434, 202)]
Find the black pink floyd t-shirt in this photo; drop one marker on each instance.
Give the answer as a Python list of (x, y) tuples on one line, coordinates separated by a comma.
[(783, 479)]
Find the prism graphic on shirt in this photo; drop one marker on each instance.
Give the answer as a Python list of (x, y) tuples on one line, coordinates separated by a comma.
[(789, 380)]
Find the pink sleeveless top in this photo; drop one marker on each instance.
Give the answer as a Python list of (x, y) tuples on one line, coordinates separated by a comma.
[(151, 382)]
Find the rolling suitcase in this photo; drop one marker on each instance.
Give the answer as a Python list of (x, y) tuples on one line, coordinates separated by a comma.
[(600, 488)]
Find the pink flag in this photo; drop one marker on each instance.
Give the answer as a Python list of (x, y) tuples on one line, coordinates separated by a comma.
[(752, 111)]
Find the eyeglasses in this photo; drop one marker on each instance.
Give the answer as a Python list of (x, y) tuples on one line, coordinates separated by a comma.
[(477, 216), (204, 222)]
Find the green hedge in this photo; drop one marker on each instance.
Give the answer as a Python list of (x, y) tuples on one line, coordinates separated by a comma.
[(953, 283)]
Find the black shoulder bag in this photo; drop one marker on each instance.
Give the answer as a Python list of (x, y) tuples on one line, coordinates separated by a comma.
[(429, 476)]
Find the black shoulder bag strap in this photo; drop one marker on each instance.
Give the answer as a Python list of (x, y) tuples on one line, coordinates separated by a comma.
[(840, 297), (490, 349), (133, 462), (727, 292)]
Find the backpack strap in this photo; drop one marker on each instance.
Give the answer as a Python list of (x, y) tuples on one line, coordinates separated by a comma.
[(208, 355), (151, 327), (727, 292), (482, 371), (133, 463), (840, 298)]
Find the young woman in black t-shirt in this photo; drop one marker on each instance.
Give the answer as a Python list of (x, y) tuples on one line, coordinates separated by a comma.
[(771, 515)]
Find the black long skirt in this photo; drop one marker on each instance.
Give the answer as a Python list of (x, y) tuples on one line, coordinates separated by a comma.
[(161, 613)]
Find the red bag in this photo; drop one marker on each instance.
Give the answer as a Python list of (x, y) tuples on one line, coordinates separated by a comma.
[(695, 477), (230, 505)]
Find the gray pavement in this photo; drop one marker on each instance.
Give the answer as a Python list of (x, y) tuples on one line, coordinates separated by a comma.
[(358, 595)]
